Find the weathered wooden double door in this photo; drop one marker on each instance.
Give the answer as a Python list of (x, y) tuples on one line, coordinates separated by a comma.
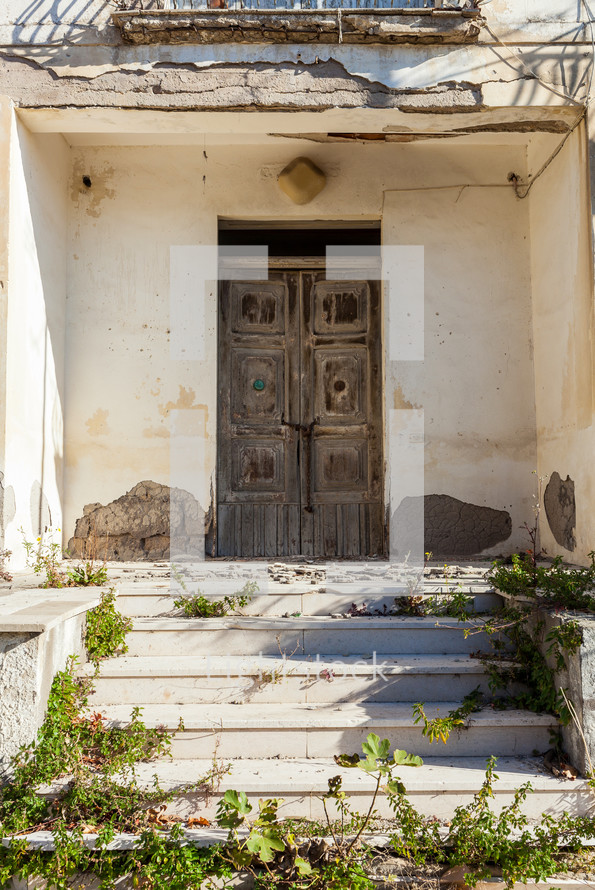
[(300, 408)]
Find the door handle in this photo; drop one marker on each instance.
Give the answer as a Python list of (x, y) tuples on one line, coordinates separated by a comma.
[(293, 426), (305, 428), (308, 430)]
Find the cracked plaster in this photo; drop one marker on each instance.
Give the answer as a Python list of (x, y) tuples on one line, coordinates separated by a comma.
[(298, 86), (505, 81)]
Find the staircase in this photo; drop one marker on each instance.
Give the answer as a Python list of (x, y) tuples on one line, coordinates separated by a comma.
[(280, 689)]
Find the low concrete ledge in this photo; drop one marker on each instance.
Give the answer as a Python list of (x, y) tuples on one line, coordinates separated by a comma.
[(353, 26), (39, 630), (40, 610)]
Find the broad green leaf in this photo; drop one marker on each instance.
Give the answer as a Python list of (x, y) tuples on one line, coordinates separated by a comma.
[(373, 747), (240, 857), (268, 809), (402, 758), (238, 801), (394, 786), (264, 844), (369, 765), (303, 867)]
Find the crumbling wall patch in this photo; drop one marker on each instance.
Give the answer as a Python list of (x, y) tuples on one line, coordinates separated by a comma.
[(275, 85), (560, 509), (148, 522)]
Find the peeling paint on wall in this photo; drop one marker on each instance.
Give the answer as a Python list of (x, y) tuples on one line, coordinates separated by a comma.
[(90, 187), (400, 402), (186, 401), (145, 523), (294, 86), (560, 509)]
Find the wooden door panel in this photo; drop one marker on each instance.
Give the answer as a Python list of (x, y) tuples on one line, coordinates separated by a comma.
[(340, 385), (340, 466), (258, 307), (257, 465), (342, 410), (299, 451), (257, 472), (258, 386), (340, 307)]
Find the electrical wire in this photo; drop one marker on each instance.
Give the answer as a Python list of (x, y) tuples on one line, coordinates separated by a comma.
[(584, 104), (528, 72)]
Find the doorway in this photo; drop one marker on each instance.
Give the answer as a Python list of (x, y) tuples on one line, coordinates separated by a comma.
[(300, 462)]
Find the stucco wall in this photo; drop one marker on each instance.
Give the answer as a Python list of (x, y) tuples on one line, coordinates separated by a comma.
[(35, 333), (122, 387), (476, 383), (28, 665), (563, 332)]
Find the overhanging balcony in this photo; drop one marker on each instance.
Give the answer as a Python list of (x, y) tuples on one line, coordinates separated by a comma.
[(299, 21), (314, 4)]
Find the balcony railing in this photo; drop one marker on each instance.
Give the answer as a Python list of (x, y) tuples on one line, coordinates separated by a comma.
[(299, 21), (318, 4)]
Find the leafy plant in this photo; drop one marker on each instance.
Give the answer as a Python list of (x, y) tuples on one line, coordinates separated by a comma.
[(522, 653), (198, 606), (88, 574), (106, 629), (441, 727), (378, 763), (478, 837), (99, 760), (45, 556), (552, 585)]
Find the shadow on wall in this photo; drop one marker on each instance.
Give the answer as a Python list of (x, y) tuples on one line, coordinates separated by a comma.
[(151, 521), (7, 507), (451, 527), (47, 13)]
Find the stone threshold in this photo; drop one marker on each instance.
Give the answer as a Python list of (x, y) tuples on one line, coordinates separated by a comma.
[(351, 26)]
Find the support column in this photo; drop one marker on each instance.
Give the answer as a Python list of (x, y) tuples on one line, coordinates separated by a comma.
[(6, 112)]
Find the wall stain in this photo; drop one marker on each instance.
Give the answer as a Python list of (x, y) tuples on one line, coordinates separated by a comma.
[(156, 432), (97, 424), (185, 402), (90, 197), (400, 402)]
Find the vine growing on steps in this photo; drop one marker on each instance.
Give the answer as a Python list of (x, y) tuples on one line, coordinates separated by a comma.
[(106, 630), (198, 606), (100, 793), (267, 848), (523, 654)]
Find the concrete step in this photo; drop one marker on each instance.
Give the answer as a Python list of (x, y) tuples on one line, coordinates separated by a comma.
[(306, 635), (189, 679), (136, 599), (254, 731), (435, 789)]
